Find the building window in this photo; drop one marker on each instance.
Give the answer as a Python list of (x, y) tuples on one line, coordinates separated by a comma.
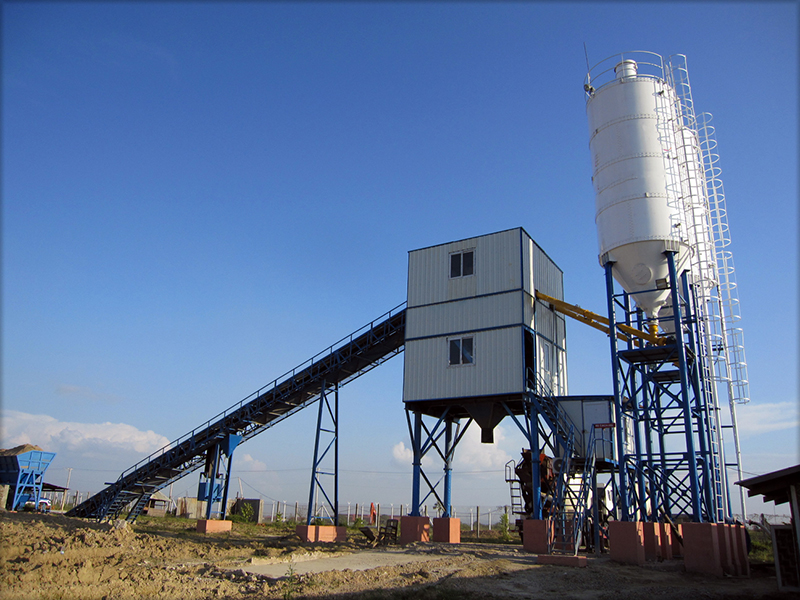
[(462, 351), (462, 264), (545, 351)]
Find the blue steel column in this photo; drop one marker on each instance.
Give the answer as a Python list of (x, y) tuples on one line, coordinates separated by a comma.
[(211, 482), (448, 466), (701, 406), (416, 448), (691, 456), (532, 418), (313, 489), (634, 378), (336, 455), (612, 320), (225, 489)]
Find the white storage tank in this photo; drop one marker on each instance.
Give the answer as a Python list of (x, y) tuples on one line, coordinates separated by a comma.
[(636, 175)]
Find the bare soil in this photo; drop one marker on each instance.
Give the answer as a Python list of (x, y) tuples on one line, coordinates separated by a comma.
[(55, 557)]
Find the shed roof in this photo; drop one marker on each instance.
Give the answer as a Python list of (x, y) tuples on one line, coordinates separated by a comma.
[(773, 486)]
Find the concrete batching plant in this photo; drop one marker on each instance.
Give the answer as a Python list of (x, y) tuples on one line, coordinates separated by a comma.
[(484, 336)]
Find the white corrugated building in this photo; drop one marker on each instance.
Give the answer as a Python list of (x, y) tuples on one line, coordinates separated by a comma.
[(475, 334)]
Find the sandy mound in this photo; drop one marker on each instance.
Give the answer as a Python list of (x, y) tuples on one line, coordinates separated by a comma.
[(51, 556)]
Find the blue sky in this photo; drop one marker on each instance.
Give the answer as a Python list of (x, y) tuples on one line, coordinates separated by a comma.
[(199, 197)]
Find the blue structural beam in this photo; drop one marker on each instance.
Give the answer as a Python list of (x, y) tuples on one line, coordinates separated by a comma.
[(351, 357), (667, 451), (327, 423)]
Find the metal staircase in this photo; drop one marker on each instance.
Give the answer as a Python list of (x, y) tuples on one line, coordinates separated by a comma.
[(517, 504), (351, 357), (574, 498)]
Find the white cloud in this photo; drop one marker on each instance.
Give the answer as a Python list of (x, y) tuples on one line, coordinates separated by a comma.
[(88, 440), (471, 454), (401, 455), (764, 417), (246, 462)]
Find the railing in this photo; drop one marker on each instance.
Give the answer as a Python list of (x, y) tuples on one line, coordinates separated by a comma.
[(285, 378)]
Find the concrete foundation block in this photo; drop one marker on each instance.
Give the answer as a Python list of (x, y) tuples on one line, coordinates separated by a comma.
[(213, 526), (321, 533), (666, 541), (701, 548), (626, 542), (677, 544), (561, 560), (725, 549), (652, 541), (534, 536), (414, 529), (447, 530), (739, 550)]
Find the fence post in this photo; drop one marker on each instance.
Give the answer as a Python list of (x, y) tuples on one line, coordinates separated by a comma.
[(478, 531), (296, 508)]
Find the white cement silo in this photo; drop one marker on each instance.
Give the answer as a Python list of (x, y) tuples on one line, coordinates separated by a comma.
[(636, 176)]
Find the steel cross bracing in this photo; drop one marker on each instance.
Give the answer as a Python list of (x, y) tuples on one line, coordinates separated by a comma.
[(668, 446), (344, 361)]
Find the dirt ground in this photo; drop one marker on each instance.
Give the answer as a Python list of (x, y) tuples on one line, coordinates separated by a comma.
[(55, 557)]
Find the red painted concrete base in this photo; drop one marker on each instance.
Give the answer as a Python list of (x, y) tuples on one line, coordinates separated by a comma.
[(321, 533), (447, 530), (701, 548), (666, 541), (652, 541), (534, 536), (677, 544), (739, 550), (626, 542), (414, 529), (213, 526), (725, 550), (561, 560)]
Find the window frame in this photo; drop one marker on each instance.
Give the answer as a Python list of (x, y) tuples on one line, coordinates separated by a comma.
[(460, 254), (464, 359)]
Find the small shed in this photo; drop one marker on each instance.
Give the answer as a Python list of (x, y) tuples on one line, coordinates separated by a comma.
[(158, 505), (781, 487)]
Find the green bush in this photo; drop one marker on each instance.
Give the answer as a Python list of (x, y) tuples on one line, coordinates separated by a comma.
[(761, 550)]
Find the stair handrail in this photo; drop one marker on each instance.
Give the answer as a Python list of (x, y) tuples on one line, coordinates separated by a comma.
[(103, 500), (589, 465), (560, 419), (288, 376), (557, 512)]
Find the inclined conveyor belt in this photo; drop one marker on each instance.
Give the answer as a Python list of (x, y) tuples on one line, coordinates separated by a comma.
[(351, 357)]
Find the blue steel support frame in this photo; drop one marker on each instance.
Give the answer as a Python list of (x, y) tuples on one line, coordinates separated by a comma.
[(30, 478), (622, 479), (219, 458), (332, 413), (694, 480), (423, 439), (661, 393)]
